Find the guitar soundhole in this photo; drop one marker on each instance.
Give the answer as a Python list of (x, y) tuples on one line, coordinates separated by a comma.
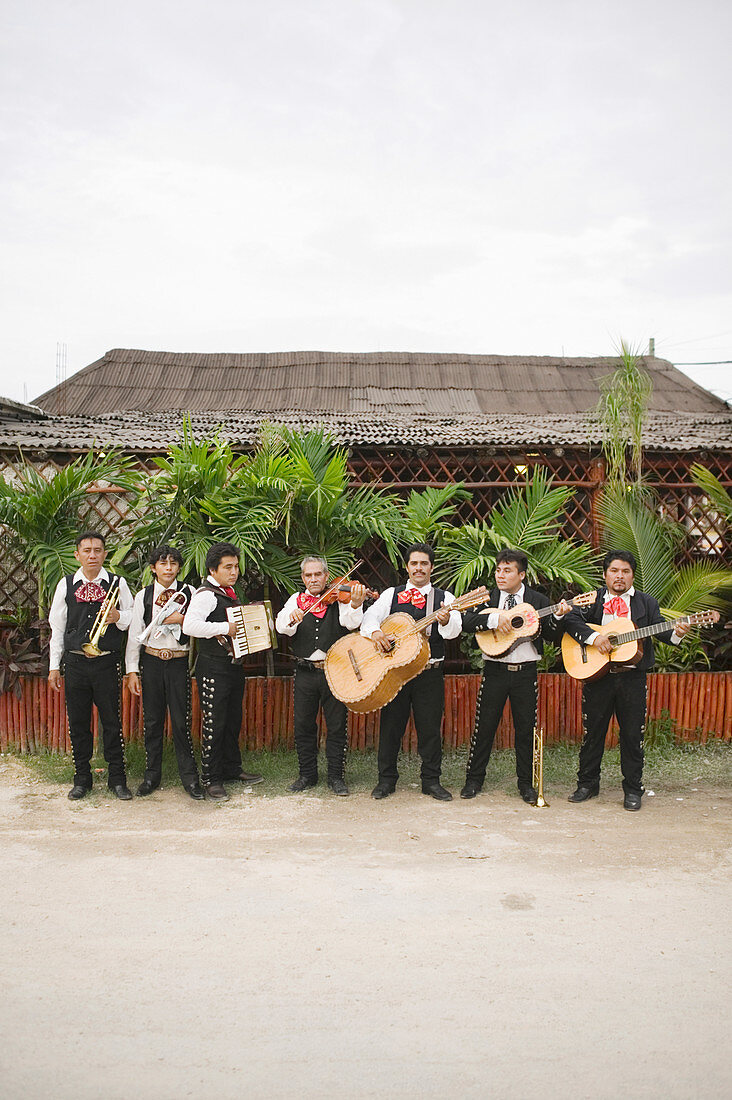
[(613, 639), (517, 622)]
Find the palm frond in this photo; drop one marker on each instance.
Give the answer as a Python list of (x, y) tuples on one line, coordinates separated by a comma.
[(714, 490), (698, 586)]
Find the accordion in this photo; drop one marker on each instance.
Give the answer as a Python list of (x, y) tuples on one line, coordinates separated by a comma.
[(254, 629)]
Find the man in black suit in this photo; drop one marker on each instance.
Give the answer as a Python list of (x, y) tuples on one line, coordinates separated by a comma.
[(512, 676), (622, 692)]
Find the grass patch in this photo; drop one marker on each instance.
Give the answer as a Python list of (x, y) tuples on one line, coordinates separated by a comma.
[(667, 766)]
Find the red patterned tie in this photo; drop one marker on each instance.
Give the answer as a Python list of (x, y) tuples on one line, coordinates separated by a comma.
[(413, 596), (617, 607), (164, 597), (306, 602), (90, 592)]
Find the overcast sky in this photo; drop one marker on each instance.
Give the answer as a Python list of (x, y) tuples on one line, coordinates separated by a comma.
[(406, 175)]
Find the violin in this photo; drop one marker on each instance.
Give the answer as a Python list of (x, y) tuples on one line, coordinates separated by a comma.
[(340, 590)]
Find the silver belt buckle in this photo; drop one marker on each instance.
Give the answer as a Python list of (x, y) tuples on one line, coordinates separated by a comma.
[(513, 668), (165, 654)]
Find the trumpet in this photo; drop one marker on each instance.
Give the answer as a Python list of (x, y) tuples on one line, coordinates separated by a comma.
[(158, 626), (537, 778), (101, 621)]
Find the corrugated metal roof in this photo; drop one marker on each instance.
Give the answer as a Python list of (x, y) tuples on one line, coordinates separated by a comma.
[(314, 382), (153, 431)]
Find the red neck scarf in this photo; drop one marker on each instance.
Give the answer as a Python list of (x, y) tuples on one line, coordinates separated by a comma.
[(306, 602), (617, 607), (413, 596)]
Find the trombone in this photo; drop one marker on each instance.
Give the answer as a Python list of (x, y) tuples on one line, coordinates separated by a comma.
[(537, 779), (101, 621)]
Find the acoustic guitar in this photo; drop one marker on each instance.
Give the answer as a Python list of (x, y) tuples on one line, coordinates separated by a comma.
[(366, 679), (585, 662), (524, 624)]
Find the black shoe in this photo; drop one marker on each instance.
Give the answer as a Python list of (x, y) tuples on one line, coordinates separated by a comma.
[(147, 787), (195, 790), (122, 791), (632, 801), (529, 795), (245, 777), (470, 789), (302, 783), (383, 790), (338, 786), (216, 792), (77, 791), (436, 790), (583, 793)]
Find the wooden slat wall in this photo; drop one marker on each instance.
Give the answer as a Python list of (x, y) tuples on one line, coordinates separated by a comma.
[(700, 703)]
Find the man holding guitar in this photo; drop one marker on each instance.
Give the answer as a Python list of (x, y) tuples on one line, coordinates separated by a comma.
[(510, 673), (424, 695), (623, 691)]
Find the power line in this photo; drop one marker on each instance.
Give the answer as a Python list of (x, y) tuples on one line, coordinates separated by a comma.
[(707, 363)]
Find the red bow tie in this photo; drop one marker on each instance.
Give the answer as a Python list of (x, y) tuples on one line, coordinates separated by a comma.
[(306, 602), (164, 597), (413, 596), (617, 607), (90, 592)]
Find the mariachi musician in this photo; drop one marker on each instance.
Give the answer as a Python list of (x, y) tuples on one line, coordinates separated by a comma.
[(314, 625), (622, 691), (90, 611), (220, 678), (424, 696), (156, 662), (511, 676)]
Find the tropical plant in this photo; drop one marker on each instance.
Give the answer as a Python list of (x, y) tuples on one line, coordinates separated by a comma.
[(624, 399), (427, 512), (19, 657), (714, 490), (527, 518), (43, 517), (630, 521)]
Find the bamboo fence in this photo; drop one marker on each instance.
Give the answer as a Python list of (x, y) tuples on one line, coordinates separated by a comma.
[(698, 703)]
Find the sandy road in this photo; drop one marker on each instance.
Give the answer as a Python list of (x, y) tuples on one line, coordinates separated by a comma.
[(309, 946)]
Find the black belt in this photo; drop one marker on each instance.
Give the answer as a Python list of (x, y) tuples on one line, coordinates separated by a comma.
[(511, 667), (304, 663)]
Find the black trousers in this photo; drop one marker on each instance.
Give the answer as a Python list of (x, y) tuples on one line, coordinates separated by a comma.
[(624, 695), (312, 693), (496, 686), (424, 696), (166, 685), (221, 692), (95, 680)]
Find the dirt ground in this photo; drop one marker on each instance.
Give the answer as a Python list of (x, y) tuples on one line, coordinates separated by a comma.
[(310, 946)]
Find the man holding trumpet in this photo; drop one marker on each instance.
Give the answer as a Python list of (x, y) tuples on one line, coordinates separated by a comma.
[(156, 661), (89, 613)]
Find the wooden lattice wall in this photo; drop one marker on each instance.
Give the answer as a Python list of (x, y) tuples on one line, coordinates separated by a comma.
[(486, 472)]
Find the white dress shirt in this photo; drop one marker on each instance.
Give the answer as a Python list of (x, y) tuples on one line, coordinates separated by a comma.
[(525, 651), (195, 623), (348, 616), (374, 617), (137, 625), (58, 614)]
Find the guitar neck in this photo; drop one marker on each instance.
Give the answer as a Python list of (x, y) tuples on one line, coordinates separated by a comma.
[(649, 631)]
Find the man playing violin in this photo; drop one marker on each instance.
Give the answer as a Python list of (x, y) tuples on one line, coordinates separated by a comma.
[(314, 623), (511, 676), (623, 691), (220, 678), (424, 696)]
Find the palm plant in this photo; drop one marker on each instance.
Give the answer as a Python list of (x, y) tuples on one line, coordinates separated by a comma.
[(527, 518), (715, 492), (631, 522), (42, 517)]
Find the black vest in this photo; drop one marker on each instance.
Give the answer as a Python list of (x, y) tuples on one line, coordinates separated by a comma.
[(437, 642), (147, 606), (80, 616), (313, 633), (211, 647)]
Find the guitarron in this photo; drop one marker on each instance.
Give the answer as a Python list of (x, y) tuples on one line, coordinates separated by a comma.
[(366, 679)]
